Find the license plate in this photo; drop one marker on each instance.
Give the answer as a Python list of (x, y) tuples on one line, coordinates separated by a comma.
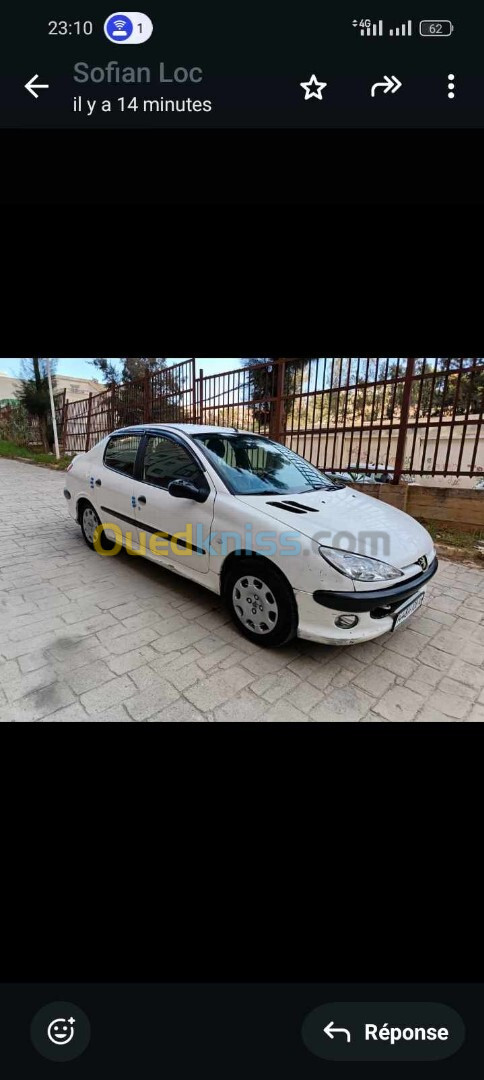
[(409, 610)]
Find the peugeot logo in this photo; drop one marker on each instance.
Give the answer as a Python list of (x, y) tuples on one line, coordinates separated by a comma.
[(423, 562)]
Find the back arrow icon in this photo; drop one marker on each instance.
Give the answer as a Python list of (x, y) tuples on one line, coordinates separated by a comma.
[(330, 1030), (390, 83), (38, 86)]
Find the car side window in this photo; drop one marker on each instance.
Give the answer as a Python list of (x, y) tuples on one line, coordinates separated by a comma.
[(166, 460), (120, 453)]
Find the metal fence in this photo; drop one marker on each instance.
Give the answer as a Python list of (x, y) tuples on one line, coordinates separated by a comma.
[(404, 415), (167, 395)]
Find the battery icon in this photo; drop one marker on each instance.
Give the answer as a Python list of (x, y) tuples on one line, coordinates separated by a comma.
[(436, 28)]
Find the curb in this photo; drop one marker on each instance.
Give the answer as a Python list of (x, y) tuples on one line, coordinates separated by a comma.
[(29, 461), (456, 554)]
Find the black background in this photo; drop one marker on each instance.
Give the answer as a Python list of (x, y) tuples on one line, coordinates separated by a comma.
[(260, 169)]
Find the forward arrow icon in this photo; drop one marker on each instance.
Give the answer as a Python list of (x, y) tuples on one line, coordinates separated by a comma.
[(390, 82)]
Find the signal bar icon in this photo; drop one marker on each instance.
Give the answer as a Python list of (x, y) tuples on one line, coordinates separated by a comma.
[(369, 29), (374, 30), (405, 30)]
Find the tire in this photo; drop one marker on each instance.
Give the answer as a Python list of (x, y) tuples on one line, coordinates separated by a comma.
[(270, 619), (89, 520)]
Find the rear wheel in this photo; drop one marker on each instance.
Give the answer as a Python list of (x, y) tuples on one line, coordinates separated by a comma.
[(262, 603), (90, 521)]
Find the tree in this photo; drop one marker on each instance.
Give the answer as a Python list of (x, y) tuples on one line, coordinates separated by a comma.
[(133, 367), (34, 396), (110, 373), (444, 385), (136, 399), (262, 386)]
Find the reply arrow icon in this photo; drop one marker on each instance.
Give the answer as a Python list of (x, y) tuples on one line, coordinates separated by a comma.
[(330, 1030)]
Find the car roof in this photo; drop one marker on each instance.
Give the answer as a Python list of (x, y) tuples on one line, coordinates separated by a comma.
[(187, 429)]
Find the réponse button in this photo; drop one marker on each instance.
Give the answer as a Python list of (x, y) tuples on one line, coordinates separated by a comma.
[(383, 1031)]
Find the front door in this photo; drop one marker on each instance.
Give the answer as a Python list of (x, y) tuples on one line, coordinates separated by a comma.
[(176, 529)]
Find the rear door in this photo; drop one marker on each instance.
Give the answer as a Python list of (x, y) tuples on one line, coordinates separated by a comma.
[(113, 483), (184, 524)]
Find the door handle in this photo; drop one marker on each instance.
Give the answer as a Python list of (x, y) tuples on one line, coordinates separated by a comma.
[(141, 499), (98, 483)]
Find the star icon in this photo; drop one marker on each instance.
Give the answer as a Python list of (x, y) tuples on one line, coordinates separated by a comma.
[(313, 88)]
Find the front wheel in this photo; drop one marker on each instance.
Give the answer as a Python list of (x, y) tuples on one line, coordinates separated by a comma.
[(262, 603)]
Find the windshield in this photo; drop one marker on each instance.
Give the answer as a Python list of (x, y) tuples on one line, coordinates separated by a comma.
[(250, 465)]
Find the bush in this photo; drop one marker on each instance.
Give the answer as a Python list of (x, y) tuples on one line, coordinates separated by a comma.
[(15, 425)]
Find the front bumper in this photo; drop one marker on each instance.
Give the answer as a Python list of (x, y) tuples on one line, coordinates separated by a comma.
[(394, 596), (376, 611)]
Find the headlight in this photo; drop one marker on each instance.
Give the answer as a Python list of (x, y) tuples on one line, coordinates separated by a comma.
[(358, 567)]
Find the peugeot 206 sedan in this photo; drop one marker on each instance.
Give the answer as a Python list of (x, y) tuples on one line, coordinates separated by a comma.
[(291, 551)]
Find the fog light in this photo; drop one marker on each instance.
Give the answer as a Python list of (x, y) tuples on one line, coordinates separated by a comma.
[(346, 622)]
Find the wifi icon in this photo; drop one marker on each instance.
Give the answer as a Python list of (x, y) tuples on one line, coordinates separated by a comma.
[(128, 27), (119, 27)]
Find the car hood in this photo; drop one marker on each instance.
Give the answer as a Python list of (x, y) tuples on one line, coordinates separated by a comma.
[(348, 519)]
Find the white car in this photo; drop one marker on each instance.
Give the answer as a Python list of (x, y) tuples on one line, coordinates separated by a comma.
[(292, 551)]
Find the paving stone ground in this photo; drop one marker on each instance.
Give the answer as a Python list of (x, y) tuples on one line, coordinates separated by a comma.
[(86, 638)]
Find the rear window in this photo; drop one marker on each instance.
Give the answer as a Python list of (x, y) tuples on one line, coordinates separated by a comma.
[(120, 453)]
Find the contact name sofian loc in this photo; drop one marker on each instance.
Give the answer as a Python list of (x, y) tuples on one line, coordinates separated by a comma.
[(112, 72)]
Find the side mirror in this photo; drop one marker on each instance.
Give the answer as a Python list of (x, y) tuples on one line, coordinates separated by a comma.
[(184, 489)]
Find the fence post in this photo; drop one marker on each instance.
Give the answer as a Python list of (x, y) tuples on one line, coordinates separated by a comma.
[(147, 398), (275, 425), (112, 406), (194, 389), (64, 420), (201, 396), (402, 431), (88, 425)]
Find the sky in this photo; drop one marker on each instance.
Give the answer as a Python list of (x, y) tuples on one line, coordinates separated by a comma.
[(82, 367)]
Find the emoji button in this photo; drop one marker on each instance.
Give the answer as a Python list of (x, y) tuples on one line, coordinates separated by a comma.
[(60, 1031)]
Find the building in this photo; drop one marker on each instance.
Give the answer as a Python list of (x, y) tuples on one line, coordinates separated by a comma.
[(76, 389)]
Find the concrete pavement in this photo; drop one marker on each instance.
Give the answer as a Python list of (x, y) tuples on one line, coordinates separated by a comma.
[(86, 638)]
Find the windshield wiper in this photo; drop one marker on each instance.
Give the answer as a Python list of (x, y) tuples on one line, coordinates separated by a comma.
[(320, 487)]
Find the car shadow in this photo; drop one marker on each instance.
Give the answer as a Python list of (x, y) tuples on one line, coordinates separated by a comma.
[(184, 591)]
